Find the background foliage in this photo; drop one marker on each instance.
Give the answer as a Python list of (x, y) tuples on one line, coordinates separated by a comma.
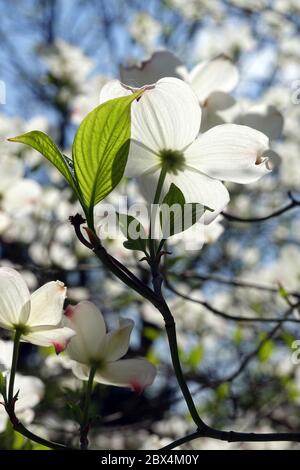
[(55, 57)]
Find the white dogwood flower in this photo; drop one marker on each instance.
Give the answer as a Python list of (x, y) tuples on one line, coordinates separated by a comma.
[(212, 82), (94, 347), (38, 316), (205, 78), (165, 134)]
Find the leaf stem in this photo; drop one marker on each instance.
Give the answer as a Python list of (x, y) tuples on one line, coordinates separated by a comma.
[(172, 339), (160, 183), (19, 427), (84, 428), (14, 364), (11, 401)]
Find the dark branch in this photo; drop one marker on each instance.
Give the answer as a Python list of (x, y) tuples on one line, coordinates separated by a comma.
[(232, 436), (291, 205), (227, 316), (189, 275)]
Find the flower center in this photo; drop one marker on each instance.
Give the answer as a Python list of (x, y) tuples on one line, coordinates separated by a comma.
[(21, 328), (172, 160), (98, 364)]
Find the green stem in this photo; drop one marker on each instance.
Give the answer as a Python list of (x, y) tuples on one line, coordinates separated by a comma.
[(10, 403), (160, 247), (14, 364), (131, 281), (161, 180), (156, 298), (84, 428), (167, 315), (160, 183), (172, 339), (19, 427)]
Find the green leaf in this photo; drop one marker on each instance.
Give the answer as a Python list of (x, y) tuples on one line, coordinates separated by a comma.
[(288, 338), (223, 390), (44, 144), (175, 215), (19, 442), (133, 230), (174, 196), (151, 333), (266, 350), (100, 149), (39, 447), (282, 292), (153, 357), (195, 357), (237, 336)]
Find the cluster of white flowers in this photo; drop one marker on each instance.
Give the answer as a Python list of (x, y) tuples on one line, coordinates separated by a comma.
[(68, 67), (196, 9), (145, 30), (39, 319), (210, 133)]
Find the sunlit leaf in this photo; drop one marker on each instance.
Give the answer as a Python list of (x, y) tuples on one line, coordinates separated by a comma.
[(44, 144), (100, 149)]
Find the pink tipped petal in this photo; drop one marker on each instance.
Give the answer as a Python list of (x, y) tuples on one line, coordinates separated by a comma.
[(14, 298), (127, 372), (49, 337), (69, 312), (47, 304), (117, 342), (60, 347), (219, 74), (136, 387)]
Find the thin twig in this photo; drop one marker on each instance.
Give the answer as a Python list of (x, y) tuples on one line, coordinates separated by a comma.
[(228, 316), (291, 205)]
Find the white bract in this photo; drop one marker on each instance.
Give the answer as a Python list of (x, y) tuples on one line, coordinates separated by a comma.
[(165, 134), (212, 81), (205, 78), (38, 316), (94, 347)]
